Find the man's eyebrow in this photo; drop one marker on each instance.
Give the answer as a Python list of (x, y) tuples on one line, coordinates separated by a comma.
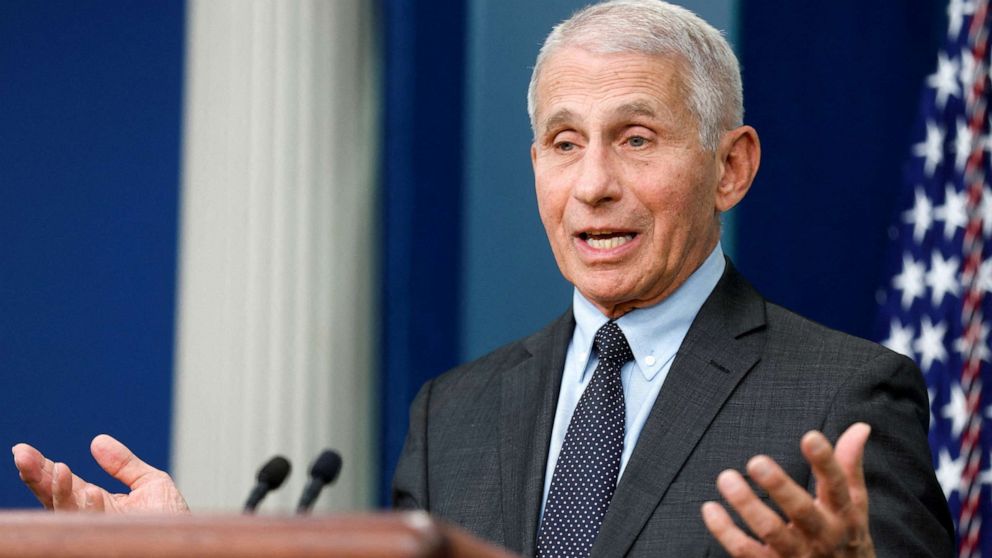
[(557, 119), (626, 110), (636, 108)]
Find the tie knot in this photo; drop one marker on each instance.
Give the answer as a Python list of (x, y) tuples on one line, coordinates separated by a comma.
[(611, 344)]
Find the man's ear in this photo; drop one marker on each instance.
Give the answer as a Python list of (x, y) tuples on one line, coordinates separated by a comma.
[(739, 156)]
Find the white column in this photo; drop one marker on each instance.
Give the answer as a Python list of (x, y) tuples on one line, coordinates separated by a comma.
[(277, 281)]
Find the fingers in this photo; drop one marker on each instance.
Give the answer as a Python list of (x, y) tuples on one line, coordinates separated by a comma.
[(735, 541), (58, 489), (70, 493), (831, 482), (850, 454), (93, 498), (851, 447), (54, 484), (838, 515), (31, 466), (793, 499), (38, 473), (63, 498), (761, 519), (795, 502), (117, 460)]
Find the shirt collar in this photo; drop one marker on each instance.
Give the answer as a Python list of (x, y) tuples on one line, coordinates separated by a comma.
[(656, 332)]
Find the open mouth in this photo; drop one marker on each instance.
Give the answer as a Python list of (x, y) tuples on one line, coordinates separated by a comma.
[(605, 240)]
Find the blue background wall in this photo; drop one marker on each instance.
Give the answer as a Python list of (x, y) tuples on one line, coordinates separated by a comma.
[(420, 216), (833, 90), (90, 97)]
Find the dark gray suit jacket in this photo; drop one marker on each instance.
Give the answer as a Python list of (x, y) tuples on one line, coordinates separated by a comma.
[(750, 377)]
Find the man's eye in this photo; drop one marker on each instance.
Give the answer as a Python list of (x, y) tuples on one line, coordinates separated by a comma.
[(565, 146), (637, 141)]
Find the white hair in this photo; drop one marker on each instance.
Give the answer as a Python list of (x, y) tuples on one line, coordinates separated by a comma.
[(657, 28)]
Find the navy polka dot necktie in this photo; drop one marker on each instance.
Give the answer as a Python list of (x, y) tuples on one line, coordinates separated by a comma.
[(588, 466)]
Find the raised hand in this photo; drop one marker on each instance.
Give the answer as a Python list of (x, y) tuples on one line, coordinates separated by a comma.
[(835, 523), (58, 489)]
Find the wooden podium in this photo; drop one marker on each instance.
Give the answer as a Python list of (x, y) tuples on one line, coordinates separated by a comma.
[(81, 535)]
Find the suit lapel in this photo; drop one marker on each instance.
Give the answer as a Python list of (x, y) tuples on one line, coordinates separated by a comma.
[(715, 355), (528, 398)]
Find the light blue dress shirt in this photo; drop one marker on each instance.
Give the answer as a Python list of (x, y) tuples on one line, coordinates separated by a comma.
[(654, 335)]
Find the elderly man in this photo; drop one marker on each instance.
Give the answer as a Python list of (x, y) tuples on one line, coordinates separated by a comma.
[(604, 432), (615, 429)]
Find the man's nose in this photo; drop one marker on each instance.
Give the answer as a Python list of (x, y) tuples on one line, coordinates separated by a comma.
[(597, 182)]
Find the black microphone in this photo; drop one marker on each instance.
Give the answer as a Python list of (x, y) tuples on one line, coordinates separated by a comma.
[(270, 477), (323, 472)]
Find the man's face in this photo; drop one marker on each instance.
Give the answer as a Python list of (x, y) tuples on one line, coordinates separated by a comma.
[(625, 190)]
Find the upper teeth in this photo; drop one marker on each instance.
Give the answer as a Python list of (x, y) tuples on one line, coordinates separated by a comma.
[(607, 243)]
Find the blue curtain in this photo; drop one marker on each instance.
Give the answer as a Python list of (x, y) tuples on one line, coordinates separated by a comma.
[(832, 88), (421, 206), (90, 115)]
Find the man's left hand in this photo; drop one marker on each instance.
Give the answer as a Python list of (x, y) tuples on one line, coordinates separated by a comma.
[(834, 523)]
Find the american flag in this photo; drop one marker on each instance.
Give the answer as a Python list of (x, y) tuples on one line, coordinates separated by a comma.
[(933, 309)]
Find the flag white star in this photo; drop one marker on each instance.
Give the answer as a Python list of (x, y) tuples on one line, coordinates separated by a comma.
[(900, 338), (984, 279), (909, 280), (943, 277), (945, 79), (953, 212), (985, 140), (956, 410), (985, 477), (932, 148), (956, 10), (921, 216), (930, 343), (985, 209), (949, 472), (962, 144), (930, 395), (963, 346), (966, 73)]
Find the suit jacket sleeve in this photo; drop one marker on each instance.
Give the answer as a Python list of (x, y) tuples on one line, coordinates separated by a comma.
[(907, 510), (410, 480)]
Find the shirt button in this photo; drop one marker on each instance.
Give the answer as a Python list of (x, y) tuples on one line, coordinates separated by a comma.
[(649, 360)]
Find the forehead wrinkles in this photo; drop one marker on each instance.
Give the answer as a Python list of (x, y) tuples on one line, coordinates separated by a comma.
[(638, 85)]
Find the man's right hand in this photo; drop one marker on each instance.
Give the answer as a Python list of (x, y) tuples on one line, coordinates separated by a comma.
[(58, 489)]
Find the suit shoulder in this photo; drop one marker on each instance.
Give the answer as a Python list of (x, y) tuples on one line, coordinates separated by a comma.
[(483, 370), (791, 334), (484, 366)]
